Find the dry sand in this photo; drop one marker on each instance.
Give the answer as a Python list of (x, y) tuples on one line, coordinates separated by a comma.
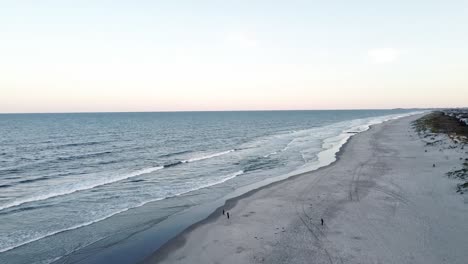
[(382, 202)]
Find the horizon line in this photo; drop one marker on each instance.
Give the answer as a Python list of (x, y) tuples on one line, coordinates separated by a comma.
[(240, 110)]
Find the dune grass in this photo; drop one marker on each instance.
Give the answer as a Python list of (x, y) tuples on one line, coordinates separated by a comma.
[(438, 122)]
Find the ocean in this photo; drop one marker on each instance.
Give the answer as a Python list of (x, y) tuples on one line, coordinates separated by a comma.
[(71, 180)]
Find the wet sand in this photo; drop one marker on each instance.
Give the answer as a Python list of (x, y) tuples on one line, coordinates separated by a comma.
[(382, 202)]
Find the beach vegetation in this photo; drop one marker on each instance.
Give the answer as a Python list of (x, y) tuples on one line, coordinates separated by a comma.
[(438, 122)]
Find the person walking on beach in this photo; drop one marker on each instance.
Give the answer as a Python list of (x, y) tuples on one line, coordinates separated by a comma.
[(227, 215), (321, 219), (223, 211)]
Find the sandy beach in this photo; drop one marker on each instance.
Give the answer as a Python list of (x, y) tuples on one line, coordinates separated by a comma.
[(386, 200), (144, 132)]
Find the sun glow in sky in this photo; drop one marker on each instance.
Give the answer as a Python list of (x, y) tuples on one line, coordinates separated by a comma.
[(85, 56)]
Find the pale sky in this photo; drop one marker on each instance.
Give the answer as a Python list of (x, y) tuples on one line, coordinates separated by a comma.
[(92, 56)]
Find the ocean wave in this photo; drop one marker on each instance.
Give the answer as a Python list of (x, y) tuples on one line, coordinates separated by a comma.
[(25, 208), (79, 187), (271, 154), (209, 184), (34, 180), (229, 177), (224, 179), (73, 145), (288, 145), (51, 161), (283, 149), (172, 164), (90, 143), (99, 182), (174, 154), (84, 156), (214, 155), (209, 156), (9, 171), (138, 180)]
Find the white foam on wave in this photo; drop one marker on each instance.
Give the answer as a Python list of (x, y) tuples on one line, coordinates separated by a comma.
[(281, 150), (206, 185), (222, 180), (75, 187), (288, 145), (271, 154), (214, 155), (229, 177)]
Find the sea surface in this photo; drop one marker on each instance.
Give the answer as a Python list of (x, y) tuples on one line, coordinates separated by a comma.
[(70, 180)]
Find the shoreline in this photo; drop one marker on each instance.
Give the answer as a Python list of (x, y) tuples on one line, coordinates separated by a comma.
[(179, 240), (143, 243), (214, 208), (183, 241)]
